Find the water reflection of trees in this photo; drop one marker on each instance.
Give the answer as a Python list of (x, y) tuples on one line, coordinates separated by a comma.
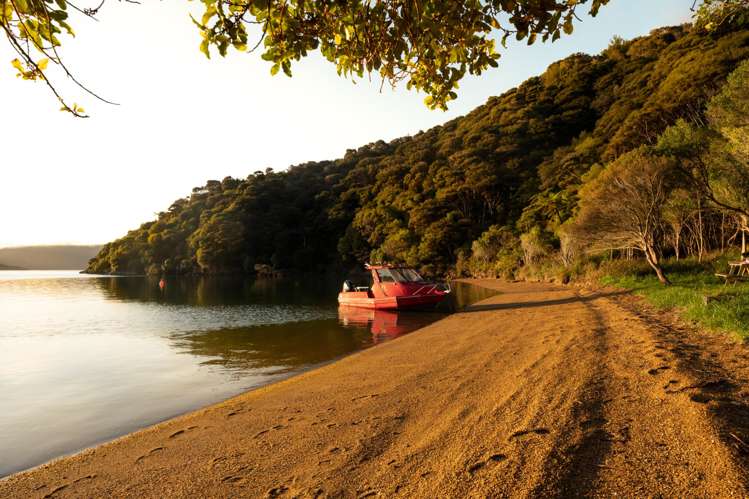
[(222, 290), (287, 347), (272, 349), (279, 348), (238, 290)]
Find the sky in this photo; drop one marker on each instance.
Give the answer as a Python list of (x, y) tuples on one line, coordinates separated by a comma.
[(184, 119)]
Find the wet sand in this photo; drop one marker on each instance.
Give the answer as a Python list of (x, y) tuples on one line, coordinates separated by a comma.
[(538, 391)]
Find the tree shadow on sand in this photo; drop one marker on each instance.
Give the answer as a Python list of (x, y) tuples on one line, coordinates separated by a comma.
[(542, 303)]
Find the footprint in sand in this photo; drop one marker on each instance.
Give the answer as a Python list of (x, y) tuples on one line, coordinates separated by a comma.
[(657, 370), (55, 491), (87, 477), (494, 458), (278, 491), (700, 398), (371, 395), (263, 432), (475, 467), (65, 486), (670, 384), (533, 431), (224, 460), (177, 433), (152, 451)]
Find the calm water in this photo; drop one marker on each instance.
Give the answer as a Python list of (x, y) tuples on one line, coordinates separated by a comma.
[(85, 359)]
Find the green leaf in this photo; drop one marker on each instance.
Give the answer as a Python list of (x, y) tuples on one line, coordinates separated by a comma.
[(17, 64), (567, 26), (204, 48), (58, 15)]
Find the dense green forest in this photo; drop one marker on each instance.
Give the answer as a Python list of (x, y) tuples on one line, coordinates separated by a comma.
[(514, 183)]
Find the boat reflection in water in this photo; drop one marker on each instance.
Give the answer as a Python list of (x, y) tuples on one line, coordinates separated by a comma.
[(386, 324)]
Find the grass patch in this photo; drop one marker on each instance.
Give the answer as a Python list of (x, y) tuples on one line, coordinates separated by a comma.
[(726, 307)]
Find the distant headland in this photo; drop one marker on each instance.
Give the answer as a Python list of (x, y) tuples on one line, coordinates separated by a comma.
[(53, 257)]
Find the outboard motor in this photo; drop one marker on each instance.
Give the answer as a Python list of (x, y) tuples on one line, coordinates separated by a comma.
[(347, 286)]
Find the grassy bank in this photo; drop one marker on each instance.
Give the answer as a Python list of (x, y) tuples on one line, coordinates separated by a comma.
[(697, 294)]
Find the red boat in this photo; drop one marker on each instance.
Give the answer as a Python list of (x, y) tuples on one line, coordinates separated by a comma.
[(393, 288)]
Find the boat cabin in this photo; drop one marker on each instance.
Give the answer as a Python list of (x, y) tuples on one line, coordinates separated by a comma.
[(393, 287)]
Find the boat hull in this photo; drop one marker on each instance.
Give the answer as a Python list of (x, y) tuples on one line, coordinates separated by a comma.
[(364, 300)]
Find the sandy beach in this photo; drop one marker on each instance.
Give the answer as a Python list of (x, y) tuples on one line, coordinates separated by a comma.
[(538, 391)]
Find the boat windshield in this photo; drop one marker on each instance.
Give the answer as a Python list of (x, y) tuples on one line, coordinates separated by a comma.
[(399, 275)]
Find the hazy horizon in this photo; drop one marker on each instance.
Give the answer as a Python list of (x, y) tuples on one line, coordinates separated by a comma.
[(52, 245), (185, 119), (48, 257)]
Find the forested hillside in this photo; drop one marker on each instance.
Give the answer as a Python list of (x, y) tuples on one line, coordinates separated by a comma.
[(462, 196)]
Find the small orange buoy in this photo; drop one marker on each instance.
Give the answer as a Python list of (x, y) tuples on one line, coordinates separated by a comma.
[(162, 284)]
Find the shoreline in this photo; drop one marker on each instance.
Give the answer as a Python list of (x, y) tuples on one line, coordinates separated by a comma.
[(539, 390), (173, 417)]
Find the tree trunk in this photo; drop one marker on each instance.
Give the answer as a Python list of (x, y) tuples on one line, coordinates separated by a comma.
[(652, 257), (701, 247)]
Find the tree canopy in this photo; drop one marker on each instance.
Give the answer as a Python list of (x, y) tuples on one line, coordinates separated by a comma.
[(496, 187), (431, 44), (623, 207)]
